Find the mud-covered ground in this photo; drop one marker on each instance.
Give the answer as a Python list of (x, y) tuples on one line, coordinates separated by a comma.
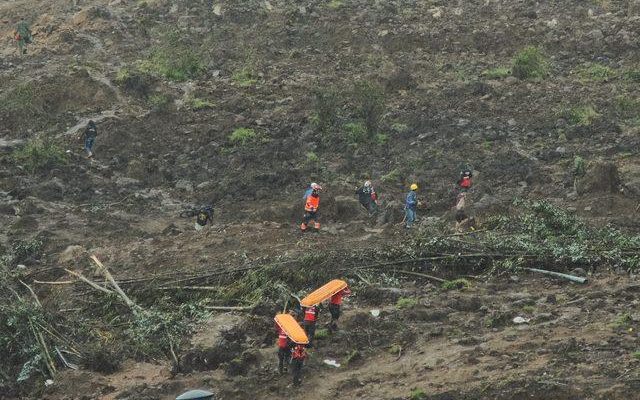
[(570, 137)]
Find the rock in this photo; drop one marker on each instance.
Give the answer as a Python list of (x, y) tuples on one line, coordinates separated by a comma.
[(346, 207), (207, 185), (123, 181), (487, 202), (184, 185), (561, 150), (601, 177)]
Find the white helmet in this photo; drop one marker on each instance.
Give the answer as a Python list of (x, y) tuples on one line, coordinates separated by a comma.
[(315, 186), (367, 183)]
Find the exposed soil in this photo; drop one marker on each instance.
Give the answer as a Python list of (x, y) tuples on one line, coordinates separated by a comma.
[(158, 153)]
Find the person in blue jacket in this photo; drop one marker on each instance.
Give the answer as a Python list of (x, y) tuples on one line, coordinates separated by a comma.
[(410, 205)]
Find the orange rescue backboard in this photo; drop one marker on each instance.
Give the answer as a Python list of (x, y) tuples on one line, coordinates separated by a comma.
[(324, 292), (291, 328)]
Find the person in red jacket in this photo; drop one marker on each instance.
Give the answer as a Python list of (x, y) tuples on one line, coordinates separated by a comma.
[(464, 183), (284, 350), (334, 307), (309, 322), (298, 355)]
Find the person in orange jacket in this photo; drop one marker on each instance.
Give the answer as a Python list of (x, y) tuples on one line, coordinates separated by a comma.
[(311, 204), (309, 322), (284, 350), (334, 307), (298, 355)]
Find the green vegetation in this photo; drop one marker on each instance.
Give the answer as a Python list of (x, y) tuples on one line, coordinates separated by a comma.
[(355, 132), (456, 284), (322, 333), (394, 176), (243, 136), (312, 157), (174, 58), (406, 302), (632, 75), (497, 73), (529, 309), (245, 77), (335, 4), (369, 102), (381, 138), (399, 127), (196, 104), (626, 107), (596, 73), (583, 115), (159, 101), (418, 394), (39, 155), (530, 63), (326, 107), (636, 355)]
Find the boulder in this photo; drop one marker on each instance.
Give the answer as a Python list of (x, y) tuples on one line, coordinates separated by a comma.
[(601, 177)]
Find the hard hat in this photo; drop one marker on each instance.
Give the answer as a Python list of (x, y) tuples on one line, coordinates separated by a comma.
[(315, 186), (367, 183), (414, 186)]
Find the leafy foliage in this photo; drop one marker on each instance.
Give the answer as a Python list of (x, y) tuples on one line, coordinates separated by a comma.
[(174, 58), (456, 284), (39, 155), (326, 106), (530, 63), (369, 101), (406, 302), (497, 73), (596, 73), (243, 136)]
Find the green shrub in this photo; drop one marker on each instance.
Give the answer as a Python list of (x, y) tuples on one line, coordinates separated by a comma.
[(406, 302), (530, 63), (39, 155), (381, 138), (393, 176), (627, 107), (399, 127), (312, 157), (636, 355), (497, 73), (418, 394), (356, 132), (321, 334), (582, 115), (596, 73), (456, 284), (369, 101), (245, 77), (335, 4), (326, 107), (243, 136)]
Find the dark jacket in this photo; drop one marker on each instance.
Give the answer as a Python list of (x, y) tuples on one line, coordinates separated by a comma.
[(366, 194), (91, 131)]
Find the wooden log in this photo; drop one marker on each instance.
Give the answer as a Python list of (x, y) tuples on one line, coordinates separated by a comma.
[(113, 282), (88, 281)]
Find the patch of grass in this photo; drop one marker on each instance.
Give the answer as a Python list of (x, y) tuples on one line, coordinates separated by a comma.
[(497, 73), (406, 302), (245, 77), (159, 101), (622, 320), (335, 4), (399, 127), (353, 355), (456, 284), (243, 136), (528, 309), (312, 157), (321, 334), (418, 394), (596, 73), (583, 115), (636, 355), (627, 107), (196, 104), (632, 75), (381, 138), (355, 132), (530, 63), (21, 100), (173, 60), (39, 155)]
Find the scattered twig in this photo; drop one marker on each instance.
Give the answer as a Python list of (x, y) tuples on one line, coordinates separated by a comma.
[(53, 282), (399, 353), (88, 282), (64, 360), (33, 294), (433, 278), (572, 278), (189, 288), (113, 282), (230, 308)]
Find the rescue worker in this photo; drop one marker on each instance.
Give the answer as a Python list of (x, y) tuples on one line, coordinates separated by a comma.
[(334, 307), (312, 202), (204, 216), (284, 350), (298, 355), (368, 197), (89, 137), (464, 182), (410, 205), (309, 322), (23, 36)]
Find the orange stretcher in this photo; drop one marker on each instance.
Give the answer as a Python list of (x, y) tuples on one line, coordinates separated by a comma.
[(291, 328), (324, 292)]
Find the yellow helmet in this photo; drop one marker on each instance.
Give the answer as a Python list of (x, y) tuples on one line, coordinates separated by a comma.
[(414, 186)]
